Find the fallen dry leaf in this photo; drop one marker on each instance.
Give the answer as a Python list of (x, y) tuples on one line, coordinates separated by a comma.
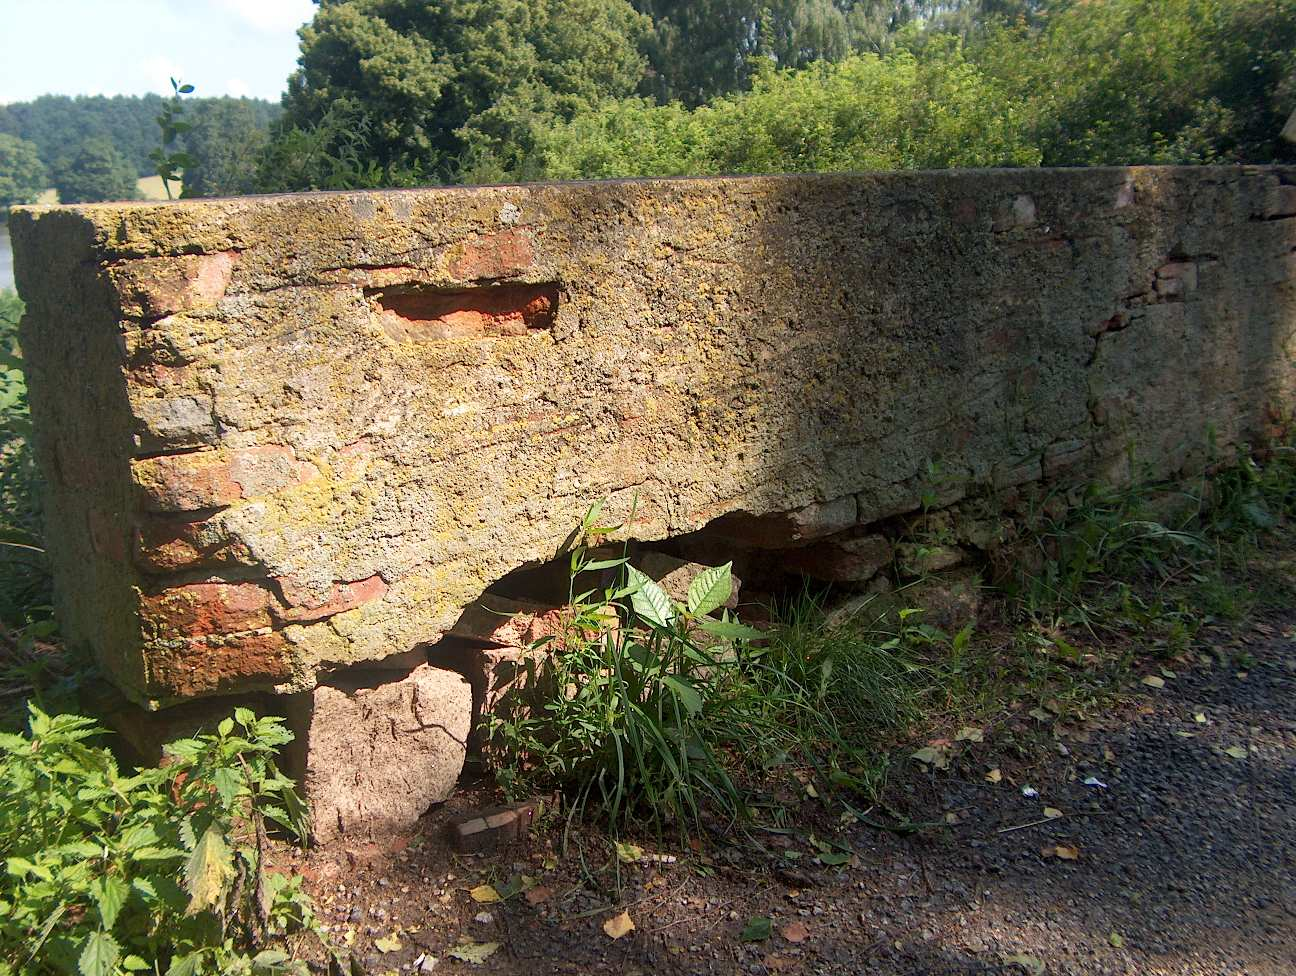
[(388, 944), (1065, 851), (1237, 752), (628, 853), (795, 931), (618, 925), (932, 756), (1152, 681), (539, 894), (1117, 940), (485, 894), (994, 776), (969, 734), (1052, 812), (473, 952), (1200, 718)]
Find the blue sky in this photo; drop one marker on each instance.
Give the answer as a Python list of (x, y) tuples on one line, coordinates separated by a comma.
[(129, 47)]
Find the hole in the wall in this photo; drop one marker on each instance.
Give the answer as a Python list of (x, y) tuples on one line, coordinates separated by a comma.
[(414, 313)]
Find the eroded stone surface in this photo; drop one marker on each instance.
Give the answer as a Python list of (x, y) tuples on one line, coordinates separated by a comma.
[(375, 752), (347, 415)]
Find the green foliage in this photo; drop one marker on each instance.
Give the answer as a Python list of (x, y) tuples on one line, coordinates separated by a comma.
[(168, 160), (635, 682), (440, 83), (225, 144), (60, 124), (24, 574), (96, 173), (22, 175), (159, 871), (1153, 81), (657, 709), (866, 112)]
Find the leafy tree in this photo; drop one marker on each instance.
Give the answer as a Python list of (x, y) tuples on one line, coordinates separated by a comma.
[(461, 79), (702, 48), (225, 143), (97, 172), (1153, 81), (60, 124), (22, 175), (866, 112)]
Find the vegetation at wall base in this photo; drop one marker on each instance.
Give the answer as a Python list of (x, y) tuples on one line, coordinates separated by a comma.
[(649, 714), (161, 870)]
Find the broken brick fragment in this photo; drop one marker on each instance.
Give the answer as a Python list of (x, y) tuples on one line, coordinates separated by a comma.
[(494, 827)]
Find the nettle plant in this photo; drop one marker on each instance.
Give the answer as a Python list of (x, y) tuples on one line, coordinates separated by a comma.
[(624, 701), (161, 871)]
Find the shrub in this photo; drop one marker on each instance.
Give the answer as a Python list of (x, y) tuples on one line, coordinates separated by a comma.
[(865, 112), (160, 871), (24, 576)]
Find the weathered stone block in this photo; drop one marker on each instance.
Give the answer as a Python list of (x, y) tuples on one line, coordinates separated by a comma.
[(375, 752), (354, 413)]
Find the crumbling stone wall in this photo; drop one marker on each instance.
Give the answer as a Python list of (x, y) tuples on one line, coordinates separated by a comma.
[(289, 434)]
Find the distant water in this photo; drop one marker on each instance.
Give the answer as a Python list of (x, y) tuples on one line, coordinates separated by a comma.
[(6, 259)]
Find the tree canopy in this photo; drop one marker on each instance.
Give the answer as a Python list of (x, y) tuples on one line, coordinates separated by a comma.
[(22, 175), (456, 83), (96, 173)]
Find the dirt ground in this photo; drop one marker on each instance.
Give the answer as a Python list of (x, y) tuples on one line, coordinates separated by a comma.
[(1162, 840)]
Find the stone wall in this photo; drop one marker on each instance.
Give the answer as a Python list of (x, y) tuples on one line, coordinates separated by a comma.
[(284, 435)]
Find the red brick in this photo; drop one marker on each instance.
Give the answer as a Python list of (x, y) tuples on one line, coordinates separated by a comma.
[(154, 287), (205, 667), (166, 545), (302, 607), (504, 255), (203, 609), (214, 479)]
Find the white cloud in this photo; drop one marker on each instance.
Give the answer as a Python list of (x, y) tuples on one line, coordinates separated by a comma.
[(238, 88), (271, 16)]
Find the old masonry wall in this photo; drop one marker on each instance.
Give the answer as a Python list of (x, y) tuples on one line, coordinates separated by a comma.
[(289, 435)]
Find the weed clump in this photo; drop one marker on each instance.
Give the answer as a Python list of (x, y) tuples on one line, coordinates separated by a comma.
[(160, 871)]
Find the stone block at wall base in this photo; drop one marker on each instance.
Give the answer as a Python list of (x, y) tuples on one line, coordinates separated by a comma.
[(374, 751)]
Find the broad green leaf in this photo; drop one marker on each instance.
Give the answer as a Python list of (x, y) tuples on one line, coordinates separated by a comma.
[(209, 872), (730, 629), (135, 964), (98, 955), (226, 726), (757, 929), (228, 782), (186, 965), (269, 959), (110, 895), (685, 692), (710, 589), (649, 600)]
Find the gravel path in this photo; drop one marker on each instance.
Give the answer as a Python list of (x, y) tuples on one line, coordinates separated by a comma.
[(1185, 863)]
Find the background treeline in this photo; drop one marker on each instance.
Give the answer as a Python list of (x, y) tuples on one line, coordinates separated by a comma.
[(94, 147), (403, 92)]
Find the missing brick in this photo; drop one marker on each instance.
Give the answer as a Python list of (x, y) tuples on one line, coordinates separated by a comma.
[(424, 314)]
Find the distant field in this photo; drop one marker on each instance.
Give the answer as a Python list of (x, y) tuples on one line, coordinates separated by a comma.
[(150, 188)]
